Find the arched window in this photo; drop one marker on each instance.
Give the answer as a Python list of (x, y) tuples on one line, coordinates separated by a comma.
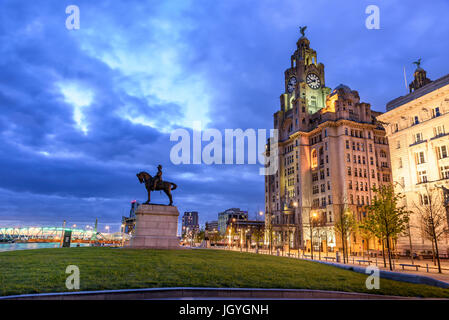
[(314, 159)]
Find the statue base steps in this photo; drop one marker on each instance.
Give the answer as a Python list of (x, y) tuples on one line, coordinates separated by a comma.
[(156, 228)]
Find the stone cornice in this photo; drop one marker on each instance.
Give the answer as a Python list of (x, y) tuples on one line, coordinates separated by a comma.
[(328, 124), (403, 109)]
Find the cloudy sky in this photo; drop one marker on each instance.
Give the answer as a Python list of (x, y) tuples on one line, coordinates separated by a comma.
[(82, 111)]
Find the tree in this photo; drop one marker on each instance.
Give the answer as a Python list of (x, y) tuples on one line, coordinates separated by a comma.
[(344, 226), (200, 235), (432, 217), (386, 218), (257, 235)]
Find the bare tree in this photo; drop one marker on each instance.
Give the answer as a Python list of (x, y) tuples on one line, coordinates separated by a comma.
[(432, 217), (344, 226)]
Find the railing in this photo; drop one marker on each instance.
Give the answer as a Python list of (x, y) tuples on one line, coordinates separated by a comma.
[(397, 264)]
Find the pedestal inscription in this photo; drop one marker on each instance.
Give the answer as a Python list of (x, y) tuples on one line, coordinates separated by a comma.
[(156, 227)]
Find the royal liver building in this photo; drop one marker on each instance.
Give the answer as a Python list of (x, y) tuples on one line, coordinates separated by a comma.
[(331, 153)]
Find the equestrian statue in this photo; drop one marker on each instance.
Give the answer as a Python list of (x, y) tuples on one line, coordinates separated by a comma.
[(155, 183)]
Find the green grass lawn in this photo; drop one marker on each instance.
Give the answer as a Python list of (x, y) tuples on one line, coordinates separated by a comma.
[(43, 270)]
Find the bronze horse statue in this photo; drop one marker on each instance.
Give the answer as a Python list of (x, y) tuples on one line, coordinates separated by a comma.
[(166, 186)]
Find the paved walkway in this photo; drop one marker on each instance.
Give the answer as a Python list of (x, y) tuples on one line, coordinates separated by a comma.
[(427, 267)]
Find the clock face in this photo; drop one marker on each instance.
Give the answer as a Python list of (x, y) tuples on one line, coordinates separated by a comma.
[(313, 81), (291, 84)]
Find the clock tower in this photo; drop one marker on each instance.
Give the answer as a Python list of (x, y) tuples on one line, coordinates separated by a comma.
[(305, 90)]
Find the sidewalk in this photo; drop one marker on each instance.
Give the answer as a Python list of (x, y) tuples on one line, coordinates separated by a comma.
[(431, 271)]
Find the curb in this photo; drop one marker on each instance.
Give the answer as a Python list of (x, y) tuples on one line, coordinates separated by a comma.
[(204, 293), (391, 275)]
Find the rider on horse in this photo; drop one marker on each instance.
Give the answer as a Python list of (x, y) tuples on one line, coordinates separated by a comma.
[(157, 177)]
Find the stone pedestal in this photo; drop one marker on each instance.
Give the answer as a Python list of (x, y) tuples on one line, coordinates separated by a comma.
[(156, 228)]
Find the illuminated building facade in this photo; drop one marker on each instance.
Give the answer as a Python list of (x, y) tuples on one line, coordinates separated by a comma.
[(417, 127), (232, 213), (331, 150), (190, 223)]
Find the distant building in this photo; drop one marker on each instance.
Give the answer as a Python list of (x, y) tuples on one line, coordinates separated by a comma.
[(190, 222), (128, 223), (245, 233), (211, 226), (232, 213)]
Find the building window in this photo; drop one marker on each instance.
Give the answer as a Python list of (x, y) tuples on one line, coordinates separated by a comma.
[(444, 172), (386, 177), (422, 176), (315, 189), (442, 152), (348, 157), (420, 158), (370, 147), (424, 199), (349, 171), (436, 112), (415, 120), (314, 159), (350, 184), (400, 163), (323, 201), (438, 131), (418, 137), (347, 144)]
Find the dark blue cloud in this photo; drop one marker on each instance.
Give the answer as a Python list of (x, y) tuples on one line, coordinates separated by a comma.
[(82, 111)]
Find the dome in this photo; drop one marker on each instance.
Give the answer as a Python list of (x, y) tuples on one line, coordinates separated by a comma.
[(343, 87)]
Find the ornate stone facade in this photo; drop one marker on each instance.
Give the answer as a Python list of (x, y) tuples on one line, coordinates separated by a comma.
[(417, 127), (331, 152)]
